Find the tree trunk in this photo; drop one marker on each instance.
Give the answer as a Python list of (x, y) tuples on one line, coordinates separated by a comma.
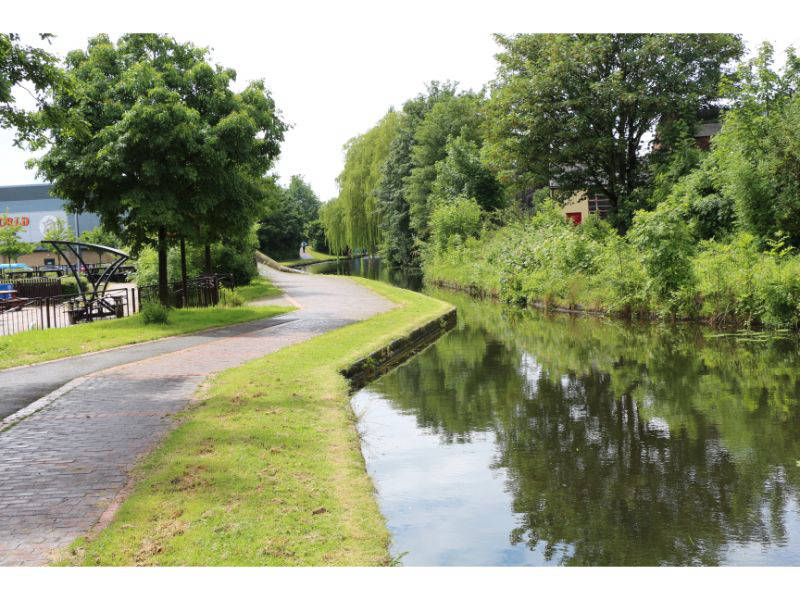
[(184, 279), (163, 289), (208, 259)]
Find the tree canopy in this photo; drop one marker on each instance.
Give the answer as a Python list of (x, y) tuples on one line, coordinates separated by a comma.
[(577, 109), (24, 67), (154, 140), (288, 213)]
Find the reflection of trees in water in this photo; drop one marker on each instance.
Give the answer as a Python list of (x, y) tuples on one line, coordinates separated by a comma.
[(623, 444), (370, 268)]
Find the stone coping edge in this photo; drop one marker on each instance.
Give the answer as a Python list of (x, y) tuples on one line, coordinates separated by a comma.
[(398, 351)]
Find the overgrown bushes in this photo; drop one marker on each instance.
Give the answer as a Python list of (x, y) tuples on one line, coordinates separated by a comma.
[(153, 313), (69, 286), (657, 269)]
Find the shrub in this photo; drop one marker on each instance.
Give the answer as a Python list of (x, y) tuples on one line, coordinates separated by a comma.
[(228, 297), (725, 279), (454, 222), (154, 313), (621, 283), (70, 287), (667, 247)]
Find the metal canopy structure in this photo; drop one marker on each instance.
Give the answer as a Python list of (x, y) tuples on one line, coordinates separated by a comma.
[(94, 302)]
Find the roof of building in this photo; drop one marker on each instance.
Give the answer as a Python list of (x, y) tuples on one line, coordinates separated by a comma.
[(17, 193)]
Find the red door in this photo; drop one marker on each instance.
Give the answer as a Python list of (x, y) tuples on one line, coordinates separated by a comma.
[(576, 217)]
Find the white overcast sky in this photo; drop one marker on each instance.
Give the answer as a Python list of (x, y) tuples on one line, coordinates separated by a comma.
[(335, 68)]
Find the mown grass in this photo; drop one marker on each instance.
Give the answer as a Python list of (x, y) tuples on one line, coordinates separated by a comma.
[(266, 469), (258, 289), (31, 347)]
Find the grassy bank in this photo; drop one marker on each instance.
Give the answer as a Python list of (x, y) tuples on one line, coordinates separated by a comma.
[(258, 289), (657, 270), (267, 468), (37, 346)]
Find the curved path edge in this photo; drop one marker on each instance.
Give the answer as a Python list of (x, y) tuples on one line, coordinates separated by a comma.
[(64, 465)]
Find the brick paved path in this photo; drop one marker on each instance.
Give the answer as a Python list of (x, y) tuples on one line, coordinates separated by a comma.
[(63, 467)]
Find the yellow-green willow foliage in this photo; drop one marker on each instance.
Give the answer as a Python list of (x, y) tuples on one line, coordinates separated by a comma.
[(330, 214), (357, 203)]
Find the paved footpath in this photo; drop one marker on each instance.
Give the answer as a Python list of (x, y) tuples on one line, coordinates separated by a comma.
[(64, 467)]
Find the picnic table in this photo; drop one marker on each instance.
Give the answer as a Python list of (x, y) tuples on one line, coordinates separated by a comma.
[(8, 298)]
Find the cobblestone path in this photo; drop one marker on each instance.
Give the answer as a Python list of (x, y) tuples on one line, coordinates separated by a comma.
[(63, 468)]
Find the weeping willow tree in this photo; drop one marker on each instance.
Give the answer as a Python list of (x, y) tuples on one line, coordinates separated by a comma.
[(333, 223), (357, 204)]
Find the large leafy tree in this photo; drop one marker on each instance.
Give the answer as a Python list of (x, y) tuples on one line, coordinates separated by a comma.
[(302, 195), (281, 227), (397, 246), (153, 139), (452, 116), (358, 181), (578, 109), (24, 68)]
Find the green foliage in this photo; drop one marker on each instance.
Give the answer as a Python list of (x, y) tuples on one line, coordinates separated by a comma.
[(364, 159), (397, 247), (462, 173), (29, 68), (315, 234), (11, 246), (191, 150), (59, 230), (454, 221), (147, 265), (228, 297), (102, 237), (575, 108), (154, 313), (452, 116), (758, 149), (69, 286), (289, 211), (666, 246)]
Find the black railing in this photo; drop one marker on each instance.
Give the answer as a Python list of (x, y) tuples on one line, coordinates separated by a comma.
[(200, 291), (25, 314), (19, 313)]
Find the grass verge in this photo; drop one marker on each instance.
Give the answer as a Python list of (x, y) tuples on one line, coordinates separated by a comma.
[(258, 289), (315, 258), (31, 347), (266, 469)]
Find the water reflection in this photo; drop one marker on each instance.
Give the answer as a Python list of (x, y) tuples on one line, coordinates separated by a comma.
[(369, 267), (525, 439)]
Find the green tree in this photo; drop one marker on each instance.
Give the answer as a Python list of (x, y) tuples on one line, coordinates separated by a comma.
[(59, 230), (452, 116), (102, 237), (757, 152), (397, 245), (332, 218), (281, 227), (11, 246), (577, 108), (27, 67), (154, 141), (301, 195), (364, 159), (462, 173)]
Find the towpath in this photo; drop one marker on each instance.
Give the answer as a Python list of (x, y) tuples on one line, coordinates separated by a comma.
[(64, 466)]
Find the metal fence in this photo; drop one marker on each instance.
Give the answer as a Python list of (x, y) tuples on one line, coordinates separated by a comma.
[(200, 291), (26, 314), (34, 287)]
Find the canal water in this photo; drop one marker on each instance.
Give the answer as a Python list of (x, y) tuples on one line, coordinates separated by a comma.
[(526, 439)]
